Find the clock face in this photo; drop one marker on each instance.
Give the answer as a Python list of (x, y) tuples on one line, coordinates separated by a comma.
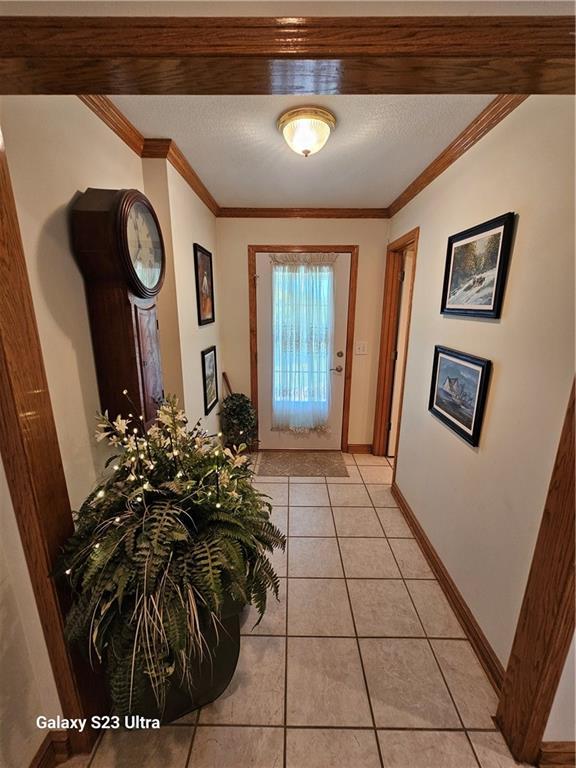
[(144, 245)]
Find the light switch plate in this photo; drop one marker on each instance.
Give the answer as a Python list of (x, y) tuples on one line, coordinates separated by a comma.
[(361, 348)]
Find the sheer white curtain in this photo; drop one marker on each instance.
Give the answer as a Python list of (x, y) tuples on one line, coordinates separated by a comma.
[(302, 332)]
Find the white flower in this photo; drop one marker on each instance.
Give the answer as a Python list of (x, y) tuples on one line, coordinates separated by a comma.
[(120, 424)]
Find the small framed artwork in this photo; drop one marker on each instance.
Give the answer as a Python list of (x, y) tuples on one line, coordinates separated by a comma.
[(476, 268), (204, 285), (209, 378), (458, 391)]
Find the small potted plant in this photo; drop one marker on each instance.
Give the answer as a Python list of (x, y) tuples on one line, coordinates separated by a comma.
[(169, 546), (238, 420)]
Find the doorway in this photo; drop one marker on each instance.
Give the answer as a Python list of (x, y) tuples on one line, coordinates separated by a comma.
[(302, 306), (396, 314), (407, 276)]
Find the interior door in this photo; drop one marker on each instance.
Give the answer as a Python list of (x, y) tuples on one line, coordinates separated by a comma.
[(274, 439), (401, 348)]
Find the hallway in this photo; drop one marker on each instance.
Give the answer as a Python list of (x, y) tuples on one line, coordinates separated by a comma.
[(362, 646)]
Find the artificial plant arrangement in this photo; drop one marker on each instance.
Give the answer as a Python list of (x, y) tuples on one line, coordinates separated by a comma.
[(238, 420), (172, 533)]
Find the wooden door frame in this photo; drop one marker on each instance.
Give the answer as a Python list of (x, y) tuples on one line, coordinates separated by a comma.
[(389, 338), (33, 465), (253, 313), (546, 623)]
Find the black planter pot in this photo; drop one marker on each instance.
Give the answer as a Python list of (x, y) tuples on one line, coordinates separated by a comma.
[(212, 674)]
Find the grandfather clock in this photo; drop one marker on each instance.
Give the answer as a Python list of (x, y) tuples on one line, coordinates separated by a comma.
[(118, 245)]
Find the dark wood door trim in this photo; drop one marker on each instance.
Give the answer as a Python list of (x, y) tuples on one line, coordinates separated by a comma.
[(389, 338), (31, 458), (546, 624), (253, 318), (415, 54)]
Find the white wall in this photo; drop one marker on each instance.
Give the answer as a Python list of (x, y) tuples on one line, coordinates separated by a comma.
[(193, 222), (56, 147), (156, 189), (562, 721), (481, 508), (371, 235), (28, 688)]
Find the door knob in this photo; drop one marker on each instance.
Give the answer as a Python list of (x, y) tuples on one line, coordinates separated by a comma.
[(338, 369)]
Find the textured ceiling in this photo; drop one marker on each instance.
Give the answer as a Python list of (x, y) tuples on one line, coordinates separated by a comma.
[(381, 143)]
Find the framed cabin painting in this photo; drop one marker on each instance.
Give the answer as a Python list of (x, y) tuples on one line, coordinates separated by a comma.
[(204, 285), (209, 378), (458, 391), (476, 268)]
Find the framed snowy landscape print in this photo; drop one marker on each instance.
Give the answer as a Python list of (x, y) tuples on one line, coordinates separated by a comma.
[(476, 267), (458, 391)]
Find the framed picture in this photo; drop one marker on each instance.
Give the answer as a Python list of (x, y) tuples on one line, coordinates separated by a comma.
[(476, 268), (209, 379), (204, 285), (458, 391)]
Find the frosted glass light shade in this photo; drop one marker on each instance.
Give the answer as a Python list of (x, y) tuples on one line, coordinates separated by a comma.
[(307, 129)]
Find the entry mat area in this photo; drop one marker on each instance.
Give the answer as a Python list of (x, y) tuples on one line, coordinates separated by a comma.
[(301, 464)]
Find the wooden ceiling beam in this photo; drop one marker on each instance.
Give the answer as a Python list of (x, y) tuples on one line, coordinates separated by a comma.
[(361, 55)]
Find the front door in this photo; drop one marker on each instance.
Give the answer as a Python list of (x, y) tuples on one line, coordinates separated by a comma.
[(302, 310)]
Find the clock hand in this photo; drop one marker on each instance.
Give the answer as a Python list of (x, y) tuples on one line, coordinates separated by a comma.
[(136, 232)]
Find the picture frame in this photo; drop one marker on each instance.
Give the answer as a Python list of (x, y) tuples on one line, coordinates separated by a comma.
[(458, 391), (209, 378), (204, 285), (476, 268)]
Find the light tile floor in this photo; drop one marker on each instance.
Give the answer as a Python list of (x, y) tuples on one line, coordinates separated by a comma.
[(361, 664)]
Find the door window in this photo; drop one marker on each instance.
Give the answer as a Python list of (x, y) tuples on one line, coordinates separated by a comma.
[(302, 339)]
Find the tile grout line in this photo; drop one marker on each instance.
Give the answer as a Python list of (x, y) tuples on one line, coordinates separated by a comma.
[(325, 482), (427, 639), (96, 748), (375, 730), (355, 578), (188, 762), (357, 536), (360, 637), (299, 727)]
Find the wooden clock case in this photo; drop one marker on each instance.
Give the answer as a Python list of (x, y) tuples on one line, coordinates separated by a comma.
[(122, 310)]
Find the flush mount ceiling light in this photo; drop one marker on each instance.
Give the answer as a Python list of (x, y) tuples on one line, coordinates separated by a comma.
[(306, 129)]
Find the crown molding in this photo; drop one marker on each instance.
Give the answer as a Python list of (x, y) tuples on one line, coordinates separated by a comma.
[(557, 754), (304, 213), (109, 113), (166, 148), (493, 114)]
